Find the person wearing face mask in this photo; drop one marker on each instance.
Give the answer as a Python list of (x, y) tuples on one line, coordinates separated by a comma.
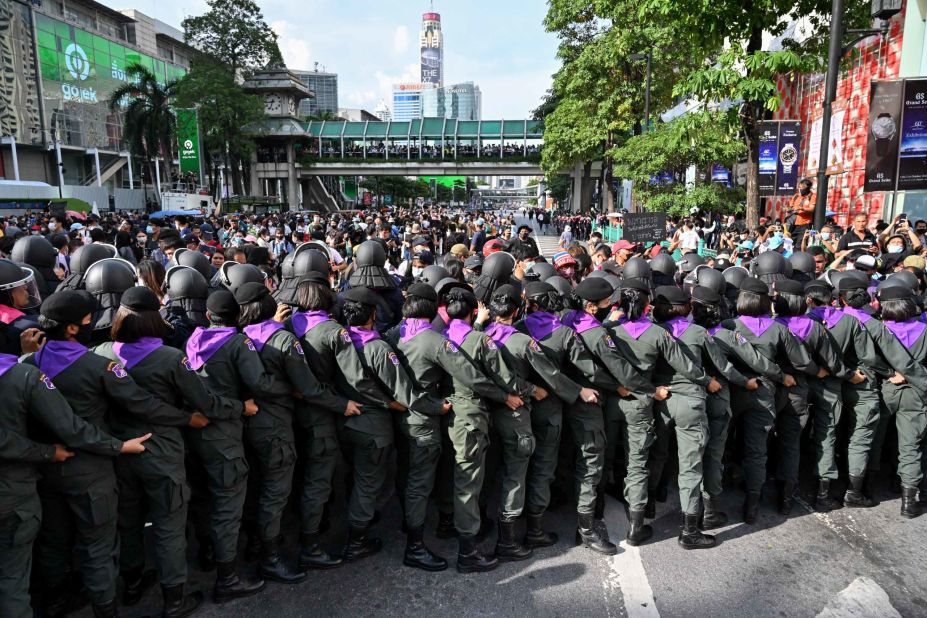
[(523, 239), (565, 265), (801, 207)]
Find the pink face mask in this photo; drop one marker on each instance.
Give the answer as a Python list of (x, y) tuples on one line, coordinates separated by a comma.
[(567, 272)]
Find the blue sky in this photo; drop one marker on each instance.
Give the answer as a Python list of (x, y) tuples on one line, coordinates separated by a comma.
[(499, 44)]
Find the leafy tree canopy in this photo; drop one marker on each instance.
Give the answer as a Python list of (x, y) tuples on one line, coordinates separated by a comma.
[(235, 33)]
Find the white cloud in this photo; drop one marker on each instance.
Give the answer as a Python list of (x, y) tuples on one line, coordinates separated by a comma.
[(400, 40), (293, 45)]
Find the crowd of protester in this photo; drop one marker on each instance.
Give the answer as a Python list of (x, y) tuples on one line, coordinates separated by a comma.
[(241, 363)]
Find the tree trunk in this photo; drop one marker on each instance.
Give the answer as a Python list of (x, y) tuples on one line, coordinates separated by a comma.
[(750, 123)]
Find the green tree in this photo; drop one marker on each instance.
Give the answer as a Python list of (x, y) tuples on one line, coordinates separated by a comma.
[(224, 109), (235, 33), (697, 139), (149, 126)]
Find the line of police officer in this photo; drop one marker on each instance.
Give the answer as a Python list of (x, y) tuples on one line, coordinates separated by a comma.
[(491, 371)]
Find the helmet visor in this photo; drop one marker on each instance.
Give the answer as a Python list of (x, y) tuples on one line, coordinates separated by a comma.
[(24, 293)]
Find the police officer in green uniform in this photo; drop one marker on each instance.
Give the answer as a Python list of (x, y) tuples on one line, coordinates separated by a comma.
[(153, 487), (902, 340), (562, 346), (270, 433), (686, 408), (823, 394), (29, 396), (647, 347), (368, 438), (79, 496), (849, 328), (586, 420), (726, 358), (229, 364), (433, 363), (469, 425), (534, 369), (336, 366), (773, 340)]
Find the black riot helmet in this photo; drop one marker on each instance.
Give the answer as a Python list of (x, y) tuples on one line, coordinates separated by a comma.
[(235, 275), (706, 277), (433, 274), (663, 270), (35, 251), (770, 266), (636, 268), (690, 262), (187, 290), (106, 281), (85, 255), (802, 263), (195, 260), (544, 270), (308, 261), (370, 267), (734, 276), (18, 288), (497, 271)]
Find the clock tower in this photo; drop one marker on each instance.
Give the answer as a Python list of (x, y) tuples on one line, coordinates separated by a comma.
[(280, 90)]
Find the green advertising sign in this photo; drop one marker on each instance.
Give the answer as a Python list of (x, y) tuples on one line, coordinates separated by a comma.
[(188, 141)]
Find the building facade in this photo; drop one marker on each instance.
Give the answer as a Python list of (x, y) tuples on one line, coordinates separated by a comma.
[(407, 100), (382, 111), (325, 87), (460, 101), (432, 49)]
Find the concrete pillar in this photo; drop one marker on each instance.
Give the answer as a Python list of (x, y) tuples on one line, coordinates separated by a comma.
[(576, 200), (292, 188), (255, 183)]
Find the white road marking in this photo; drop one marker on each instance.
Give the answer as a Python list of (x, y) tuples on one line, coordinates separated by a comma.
[(863, 598), (627, 568)]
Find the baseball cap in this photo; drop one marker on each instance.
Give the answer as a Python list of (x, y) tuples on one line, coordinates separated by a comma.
[(621, 244), (915, 261)]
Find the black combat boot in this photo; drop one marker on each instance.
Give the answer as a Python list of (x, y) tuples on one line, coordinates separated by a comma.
[(506, 545), (691, 537), (313, 557), (252, 547), (64, 598), (713, 517), (105, 610), (446, 529), (823, 503), (136, 582), (469, 557), (638, 532), (273, 568), (229, 586), (177, 604), (909, 506), (786, 496), (589, 536), (535, 535), (650, 510), (419, 556), (359, 545), (751, 507), (869, 489), (206, 555), (854, 497)]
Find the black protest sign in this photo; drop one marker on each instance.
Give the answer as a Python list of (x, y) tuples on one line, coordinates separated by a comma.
[(644, 227)]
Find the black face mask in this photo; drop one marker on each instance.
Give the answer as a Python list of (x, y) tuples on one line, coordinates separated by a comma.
[(804, 190), (602, 313), (85, 333)]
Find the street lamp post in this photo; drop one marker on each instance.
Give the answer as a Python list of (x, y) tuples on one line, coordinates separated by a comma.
[(880, 9), (649, 58)]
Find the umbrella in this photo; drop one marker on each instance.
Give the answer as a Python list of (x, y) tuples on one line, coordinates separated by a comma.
[(613, 215), (176, 213), (74, 214)]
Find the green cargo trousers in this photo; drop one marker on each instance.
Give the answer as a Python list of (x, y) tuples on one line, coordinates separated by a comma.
[(862, 413), (792, 416), (688, 416), (641, 434), (513, 428), (758, 411), (275, 460), (368, 456), (321, 460), (20, 516), (469, 470), (825, 397), (418, 453), (911, 422), (546, 421)]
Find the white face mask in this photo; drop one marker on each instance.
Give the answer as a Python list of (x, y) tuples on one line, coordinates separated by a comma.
[(825, 235), (52, 226), (417, 272), (895, 249)]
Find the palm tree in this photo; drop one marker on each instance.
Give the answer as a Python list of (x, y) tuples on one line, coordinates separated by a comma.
[(148, 122)]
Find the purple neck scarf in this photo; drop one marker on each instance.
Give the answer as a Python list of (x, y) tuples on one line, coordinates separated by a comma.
[(907, 331), (828, 315), (757, 325), (304, 321), (131, 354), (56, 356), (540, 324), (500, 333), (361, 337), (457, 331), (678, 326), (411, 327), (580, 321), (714, 330), (799, 325), (637, 327), (204, 342), (260, 333), (7, 361), (859, 314)]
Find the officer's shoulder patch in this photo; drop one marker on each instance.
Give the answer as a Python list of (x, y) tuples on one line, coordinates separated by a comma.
[(298, 348), (186, 364), (393, 358), (608, 340), (117, 370), (250, 344), (449, 345), (489, 342), (740, 338), (47, 381), (534, 346), (344, 335)]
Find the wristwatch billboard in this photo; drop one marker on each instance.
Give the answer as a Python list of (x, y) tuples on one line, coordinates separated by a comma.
[(788, 156), (883, 130)]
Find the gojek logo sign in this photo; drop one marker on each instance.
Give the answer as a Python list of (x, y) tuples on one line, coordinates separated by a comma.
[(78, 65), (188, 140)]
